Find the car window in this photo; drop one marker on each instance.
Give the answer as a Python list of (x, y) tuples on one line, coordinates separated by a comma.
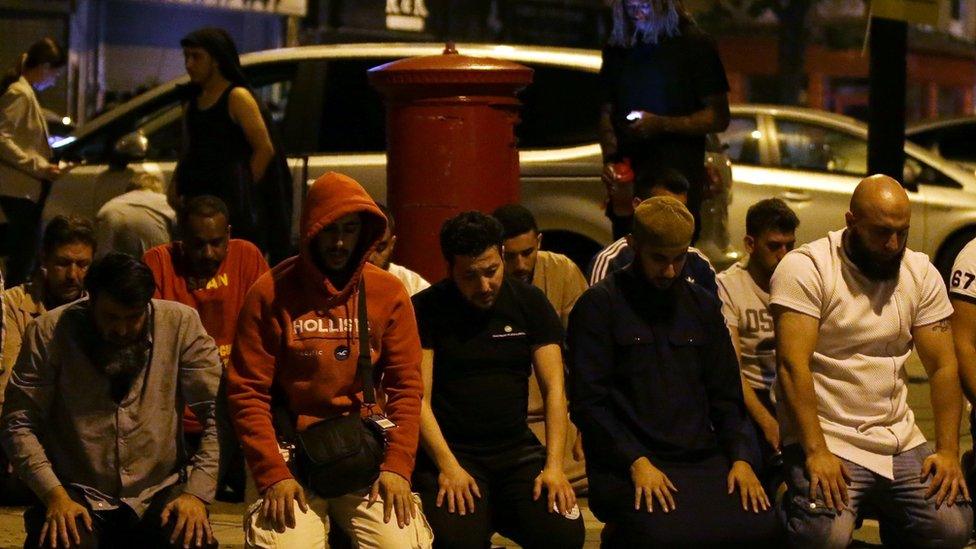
[(353, 114), (921, 173), (958, 142), (159, 119), (805, 146), (561, 108), (743, 138)]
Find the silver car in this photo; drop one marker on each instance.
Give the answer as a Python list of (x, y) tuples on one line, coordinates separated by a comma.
[(330, 118), (813, 160)]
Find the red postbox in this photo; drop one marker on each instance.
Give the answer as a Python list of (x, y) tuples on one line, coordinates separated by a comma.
[(451, 147)]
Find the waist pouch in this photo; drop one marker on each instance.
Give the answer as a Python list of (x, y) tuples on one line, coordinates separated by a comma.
[(340, 455)]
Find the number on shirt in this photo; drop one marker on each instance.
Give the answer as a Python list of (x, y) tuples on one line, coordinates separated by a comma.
[(758, 320), (957, 277)]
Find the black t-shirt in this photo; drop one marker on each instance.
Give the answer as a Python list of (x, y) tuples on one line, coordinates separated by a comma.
[(671, 78), (482, 361)]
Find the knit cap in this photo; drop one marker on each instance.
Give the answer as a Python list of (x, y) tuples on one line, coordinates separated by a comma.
[(663, 222)]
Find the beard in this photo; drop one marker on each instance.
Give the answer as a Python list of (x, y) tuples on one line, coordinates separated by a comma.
[(658, 27), (874, 266), (121, 361)]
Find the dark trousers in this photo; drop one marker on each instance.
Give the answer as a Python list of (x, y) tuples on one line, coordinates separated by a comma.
[(505, 480), (22, 239), (118, 528), (13, 491), (706, 515)]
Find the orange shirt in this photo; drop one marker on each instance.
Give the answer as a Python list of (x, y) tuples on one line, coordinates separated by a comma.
[(219, 301)]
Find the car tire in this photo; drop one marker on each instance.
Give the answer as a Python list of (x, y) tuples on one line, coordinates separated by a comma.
[(575, 246), (951, 248)]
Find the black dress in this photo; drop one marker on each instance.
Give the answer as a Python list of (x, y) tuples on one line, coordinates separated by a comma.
[(216, 160)]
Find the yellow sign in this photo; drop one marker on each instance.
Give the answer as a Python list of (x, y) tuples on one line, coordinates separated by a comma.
[(925, 12)]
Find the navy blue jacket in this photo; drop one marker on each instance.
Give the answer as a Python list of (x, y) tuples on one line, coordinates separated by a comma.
[(654, 377), (619, 255)]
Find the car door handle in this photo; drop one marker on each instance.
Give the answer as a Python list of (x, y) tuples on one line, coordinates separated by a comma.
[(796, 196)]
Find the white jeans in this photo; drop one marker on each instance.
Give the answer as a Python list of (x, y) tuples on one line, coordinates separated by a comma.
[(364, 525)]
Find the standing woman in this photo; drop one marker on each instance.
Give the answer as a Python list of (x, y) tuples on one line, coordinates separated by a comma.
[(25, 169), (228, 150)]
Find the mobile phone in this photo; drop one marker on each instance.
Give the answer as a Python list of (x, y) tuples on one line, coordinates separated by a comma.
[(634, 116)]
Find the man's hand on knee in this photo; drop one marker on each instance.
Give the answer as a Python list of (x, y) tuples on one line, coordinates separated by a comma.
[(189, 515), (61, 520), (829, 475), (278, 506), (947, 481), (651, 483), (396, 495)]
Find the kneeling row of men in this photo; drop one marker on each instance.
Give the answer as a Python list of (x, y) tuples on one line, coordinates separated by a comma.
[(92, 416)]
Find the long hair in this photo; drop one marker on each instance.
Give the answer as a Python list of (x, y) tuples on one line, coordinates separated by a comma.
[(216, 42), (625, 34), (45, 50)]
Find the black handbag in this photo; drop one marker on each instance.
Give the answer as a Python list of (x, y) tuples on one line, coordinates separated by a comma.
[(343, 454)]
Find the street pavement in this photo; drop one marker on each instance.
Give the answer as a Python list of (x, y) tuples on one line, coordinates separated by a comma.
[(227, 518)]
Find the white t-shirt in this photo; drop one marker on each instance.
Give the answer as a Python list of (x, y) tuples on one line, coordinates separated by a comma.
[(746, 308), (858, 365), (962, 282), (412, 281)]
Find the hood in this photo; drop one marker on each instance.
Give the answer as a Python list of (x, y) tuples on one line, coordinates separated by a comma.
[(331, 197)]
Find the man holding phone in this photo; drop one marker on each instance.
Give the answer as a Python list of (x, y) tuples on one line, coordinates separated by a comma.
[(664, 89)]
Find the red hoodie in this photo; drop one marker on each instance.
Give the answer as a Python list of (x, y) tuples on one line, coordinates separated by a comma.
[(292, 326)]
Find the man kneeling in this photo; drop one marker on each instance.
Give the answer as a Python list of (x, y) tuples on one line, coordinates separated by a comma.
[(655, 391), (93, 412)]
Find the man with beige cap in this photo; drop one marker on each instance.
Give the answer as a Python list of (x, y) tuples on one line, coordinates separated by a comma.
[(655, 390), (848, 311)]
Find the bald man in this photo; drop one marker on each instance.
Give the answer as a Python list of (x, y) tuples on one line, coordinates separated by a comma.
[(655, 391), (848, 311)]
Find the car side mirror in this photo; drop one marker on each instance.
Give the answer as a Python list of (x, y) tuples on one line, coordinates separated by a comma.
[(910, 174), (131, 147)]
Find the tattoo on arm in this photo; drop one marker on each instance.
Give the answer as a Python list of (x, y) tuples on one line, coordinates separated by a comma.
[(941, 326)]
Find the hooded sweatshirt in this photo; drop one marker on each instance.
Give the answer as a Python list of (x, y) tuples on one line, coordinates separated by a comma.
[(297, 339)]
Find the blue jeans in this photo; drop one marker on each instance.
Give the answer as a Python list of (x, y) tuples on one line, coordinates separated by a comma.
[(907, 518)]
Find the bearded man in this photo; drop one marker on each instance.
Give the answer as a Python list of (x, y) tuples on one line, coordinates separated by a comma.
[(664, 88), (848, 310), (91, 419)]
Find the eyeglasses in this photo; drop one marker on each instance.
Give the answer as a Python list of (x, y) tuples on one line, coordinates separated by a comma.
[(638, 6)]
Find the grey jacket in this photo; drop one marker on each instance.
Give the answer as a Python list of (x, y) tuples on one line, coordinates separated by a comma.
[(60, 425), (24, 150)]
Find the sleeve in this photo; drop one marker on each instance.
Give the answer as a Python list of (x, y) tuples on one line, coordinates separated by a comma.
[(256, 266), (27, 405), (574, 286), (200, 371), (422, 312), (963, 276), (727, 409), (249, 378), (402, 385), (933, 304), (709, 72), (153, 260), (703, 272), (12, 341), (544, 324), (729, 309), (14, 107), (797, 285), (590, 359)]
